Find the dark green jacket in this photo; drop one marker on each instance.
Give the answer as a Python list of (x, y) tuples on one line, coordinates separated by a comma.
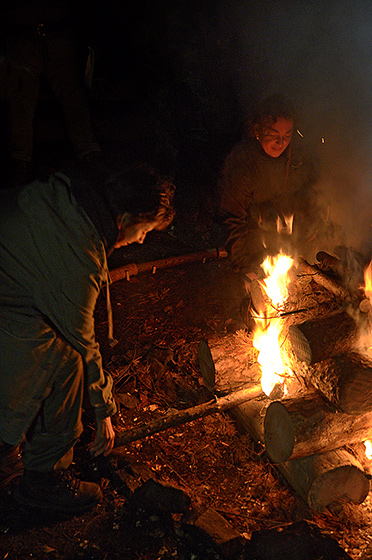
[(52, 267), (258, 190)]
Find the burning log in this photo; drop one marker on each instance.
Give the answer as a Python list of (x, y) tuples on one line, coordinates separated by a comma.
[(331, 284), (305, 425), (329, 263), (327, 479), (322, 337), (250, 416), (344, 380)]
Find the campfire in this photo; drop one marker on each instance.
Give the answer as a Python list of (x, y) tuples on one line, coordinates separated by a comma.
[(268, 324), (310, 353)]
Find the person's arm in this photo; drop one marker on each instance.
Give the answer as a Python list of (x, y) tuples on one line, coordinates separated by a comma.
[(243, 243)]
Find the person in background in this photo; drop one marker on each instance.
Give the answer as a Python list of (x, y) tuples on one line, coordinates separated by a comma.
[(41, 39), (267, 181), (55, 237)]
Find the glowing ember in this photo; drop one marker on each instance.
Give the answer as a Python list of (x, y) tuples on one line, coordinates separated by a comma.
[(266, 334), (368, 449)]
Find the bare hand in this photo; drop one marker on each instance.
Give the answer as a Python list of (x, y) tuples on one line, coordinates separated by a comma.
[(105, 437)]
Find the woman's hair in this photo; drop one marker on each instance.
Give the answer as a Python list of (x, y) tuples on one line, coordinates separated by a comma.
[(143, 194), (270, 110)]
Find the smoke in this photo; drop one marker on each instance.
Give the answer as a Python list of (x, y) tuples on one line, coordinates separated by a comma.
[(319, 54)]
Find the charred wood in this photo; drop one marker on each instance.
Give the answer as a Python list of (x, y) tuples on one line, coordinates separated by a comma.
[(330, 264), (331, 284), (322, 337), (344, 380)]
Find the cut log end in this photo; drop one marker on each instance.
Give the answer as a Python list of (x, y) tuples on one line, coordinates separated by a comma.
[(206, 365), (323, 337), (279, 433), (346, 483)]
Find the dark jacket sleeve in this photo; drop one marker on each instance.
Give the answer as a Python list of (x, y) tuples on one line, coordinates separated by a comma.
[(243, 237)]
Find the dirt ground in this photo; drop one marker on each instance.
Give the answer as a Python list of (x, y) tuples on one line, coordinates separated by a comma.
[(203, 490)]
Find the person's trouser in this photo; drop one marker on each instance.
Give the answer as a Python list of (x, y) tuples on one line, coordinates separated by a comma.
[(41, 391)]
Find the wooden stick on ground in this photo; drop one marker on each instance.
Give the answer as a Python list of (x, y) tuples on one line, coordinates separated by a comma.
[(183, 416)]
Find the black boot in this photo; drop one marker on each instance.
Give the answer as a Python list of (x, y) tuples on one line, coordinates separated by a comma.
[(11, 466), (56, 491)]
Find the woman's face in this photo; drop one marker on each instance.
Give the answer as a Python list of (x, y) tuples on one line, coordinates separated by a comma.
[(275, 137), (133, 232)]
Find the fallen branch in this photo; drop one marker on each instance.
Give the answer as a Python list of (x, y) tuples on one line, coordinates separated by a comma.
[(188, 415)]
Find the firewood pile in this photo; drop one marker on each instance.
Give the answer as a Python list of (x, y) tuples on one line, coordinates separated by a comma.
[(315, 432)]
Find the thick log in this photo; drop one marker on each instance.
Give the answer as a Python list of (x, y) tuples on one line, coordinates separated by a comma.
[(323, 337), (329, 263), (321, 480), (305, 425), (229, 361), (344, 380), (251, 416), (131, 269), (327, 479), (331, 284), (187, 415)]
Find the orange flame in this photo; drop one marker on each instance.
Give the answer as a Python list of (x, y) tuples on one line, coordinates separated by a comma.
[(368, 449), (365, 332), (368, 282), (285, 227), (266, 334)]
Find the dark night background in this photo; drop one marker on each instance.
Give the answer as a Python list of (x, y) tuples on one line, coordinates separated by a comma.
[(174, 80)]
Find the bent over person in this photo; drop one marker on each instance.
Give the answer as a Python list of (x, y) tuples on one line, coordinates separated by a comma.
[(267, 179), (55, 237)]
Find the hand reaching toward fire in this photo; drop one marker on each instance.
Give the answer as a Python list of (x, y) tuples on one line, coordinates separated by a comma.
[(105, 437)]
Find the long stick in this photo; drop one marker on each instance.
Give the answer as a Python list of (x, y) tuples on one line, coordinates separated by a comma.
[(132, 269), (189, 414)]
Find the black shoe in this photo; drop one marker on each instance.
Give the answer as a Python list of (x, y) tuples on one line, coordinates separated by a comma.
[(11, 466), (57, 491)]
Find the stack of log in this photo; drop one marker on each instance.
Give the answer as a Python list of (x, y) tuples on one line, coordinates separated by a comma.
[(313, 436)]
